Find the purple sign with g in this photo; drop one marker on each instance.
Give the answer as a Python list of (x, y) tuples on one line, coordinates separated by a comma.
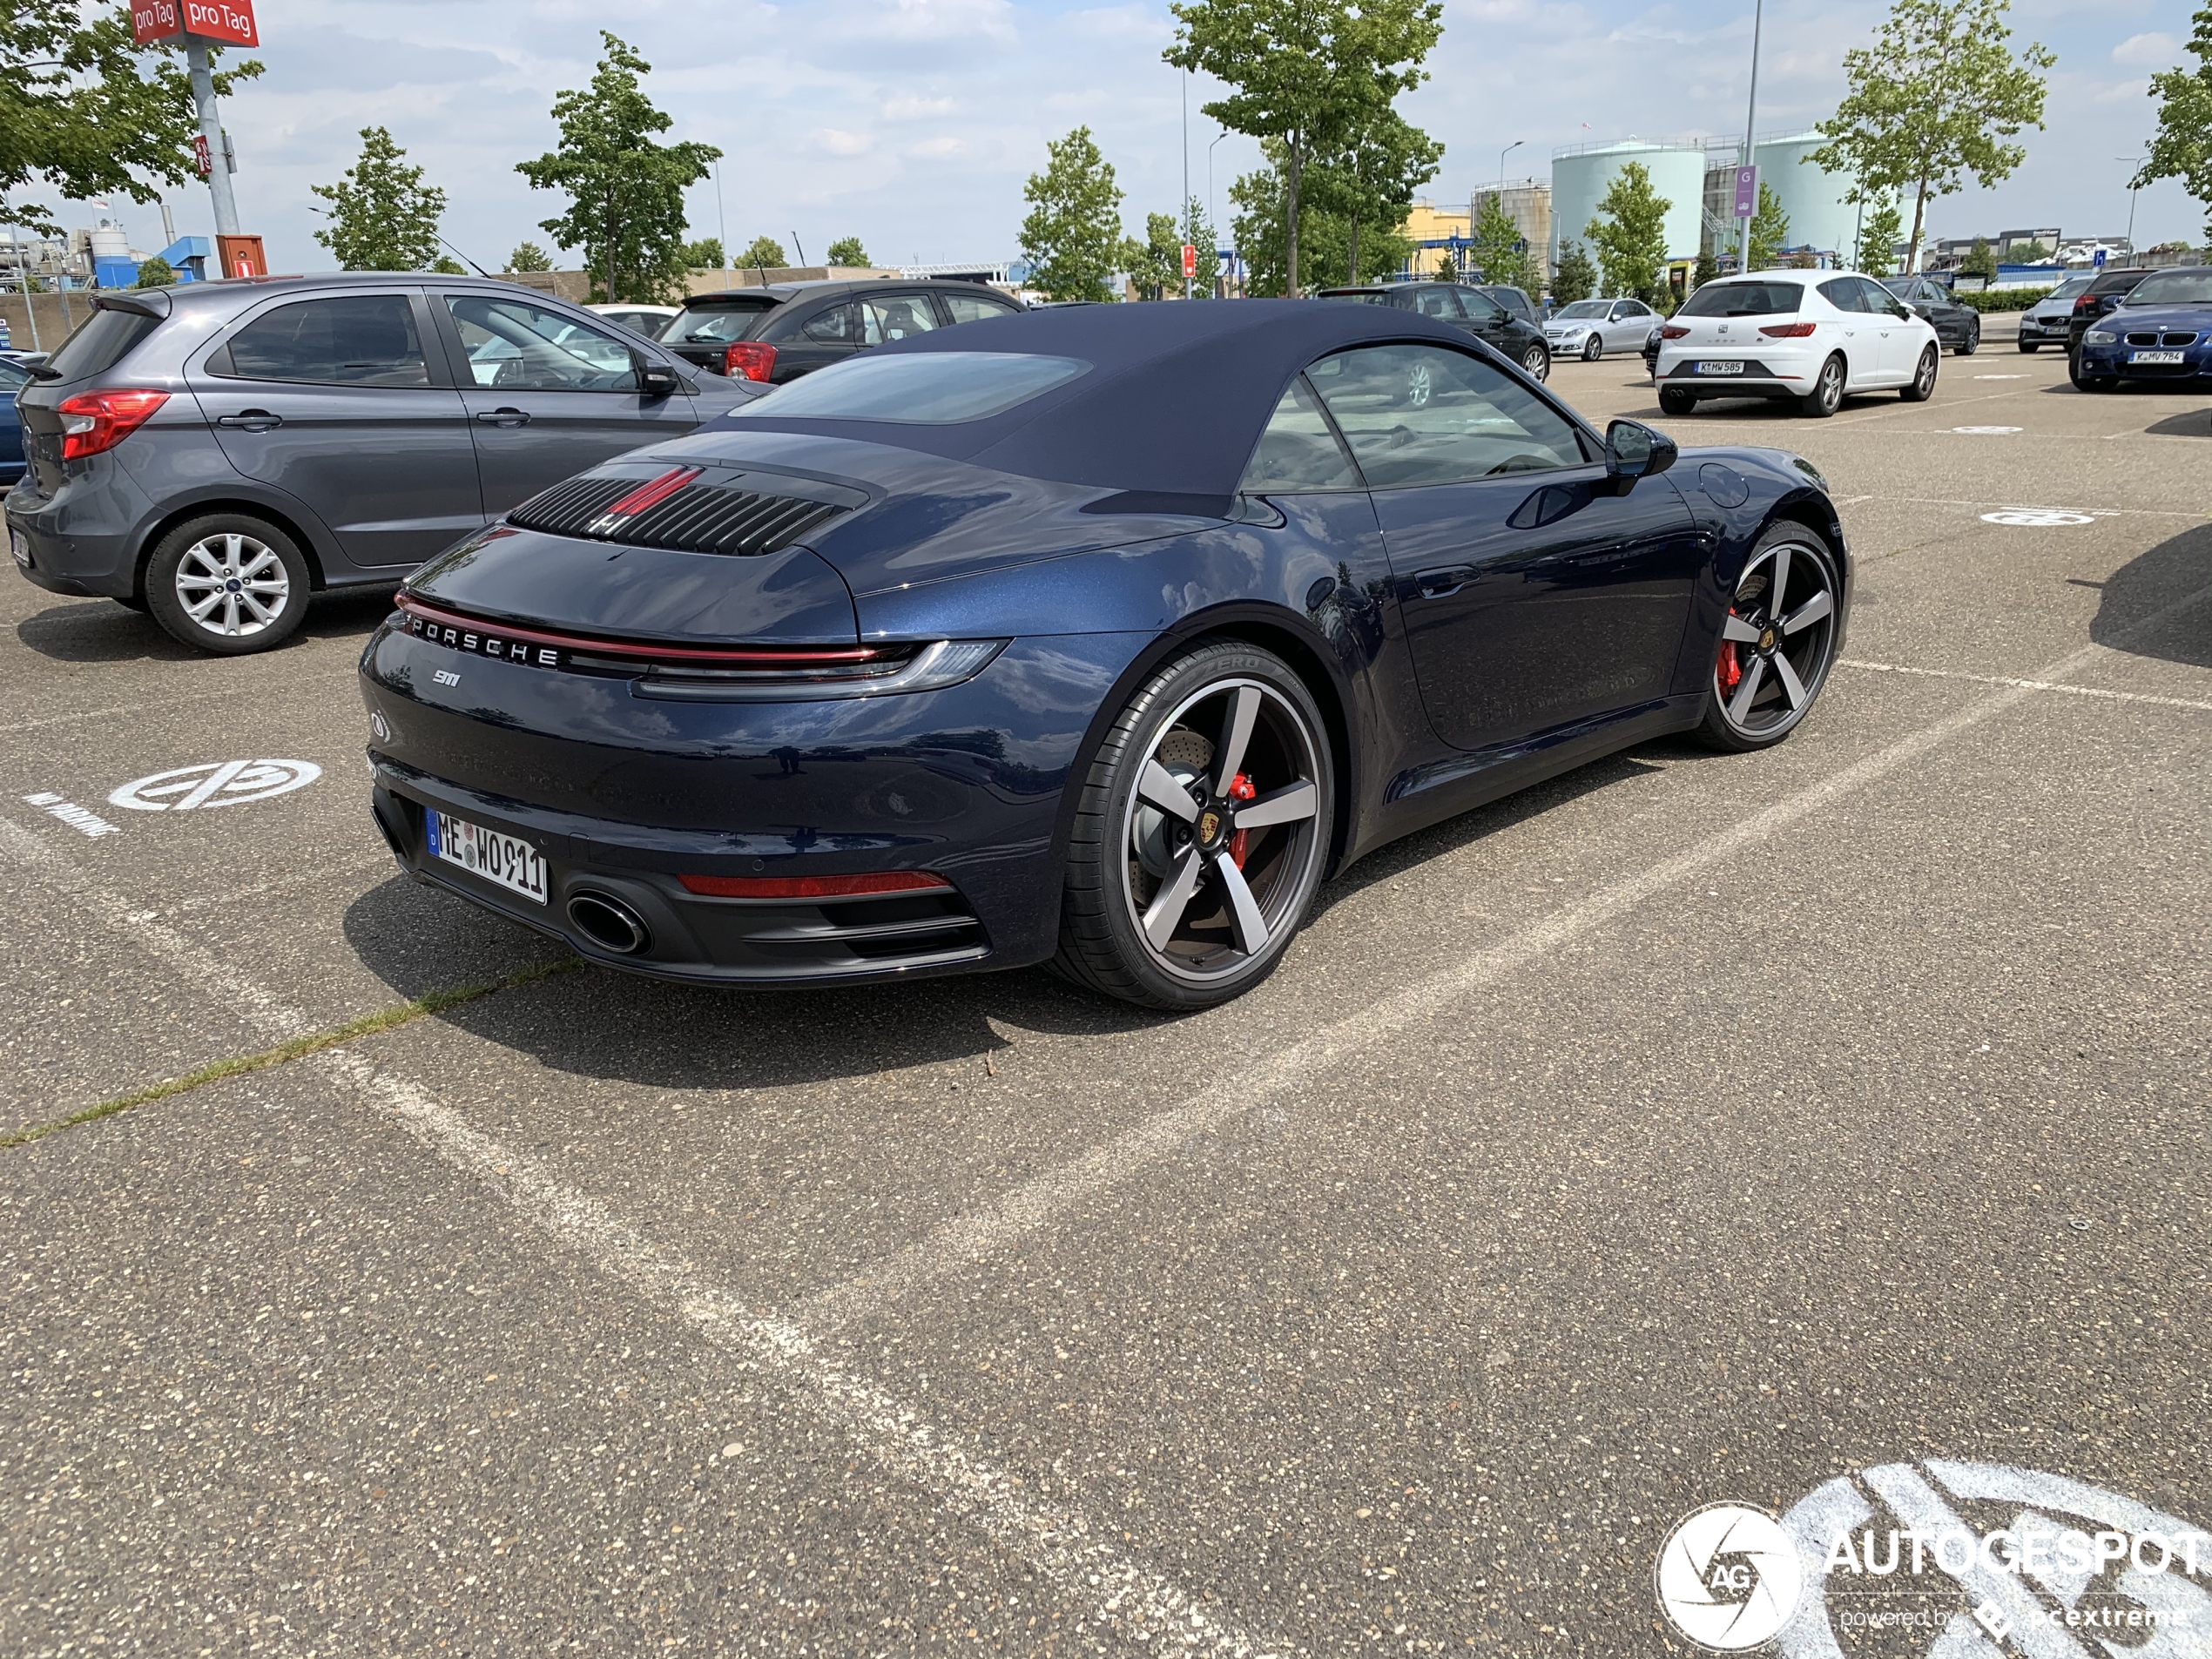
[(1747, 192)]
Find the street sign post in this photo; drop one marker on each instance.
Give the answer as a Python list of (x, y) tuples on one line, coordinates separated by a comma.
[(231, 22), (1747, 192), (2098, 260)]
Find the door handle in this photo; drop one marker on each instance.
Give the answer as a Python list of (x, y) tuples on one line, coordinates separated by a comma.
[(250, 420), (504, 417), (1442, 583)]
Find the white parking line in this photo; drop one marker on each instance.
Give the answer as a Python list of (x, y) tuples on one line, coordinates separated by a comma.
[(2099, 512), (1035, 1203), (2026, 685), (1141, 1606)]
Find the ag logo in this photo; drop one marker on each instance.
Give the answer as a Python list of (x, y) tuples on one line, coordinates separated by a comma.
[(215, 783), (1728, 1577)]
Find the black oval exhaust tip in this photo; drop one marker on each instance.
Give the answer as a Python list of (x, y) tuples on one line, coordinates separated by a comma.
[(609, 923)]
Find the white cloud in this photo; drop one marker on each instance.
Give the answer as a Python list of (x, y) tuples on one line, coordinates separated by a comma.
[(845, 144), (2152, 50)]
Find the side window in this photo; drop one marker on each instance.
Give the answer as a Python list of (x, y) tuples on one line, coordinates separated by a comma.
[(1876, 298), (895, 316), (520, 348), (1438, 302), (1843, 293), (1480, 307), (1421, 415), (966, 308), (353, 339), (1297, 451), (839, 325)]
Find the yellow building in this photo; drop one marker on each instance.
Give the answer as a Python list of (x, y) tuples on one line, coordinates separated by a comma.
[(1426, 222)]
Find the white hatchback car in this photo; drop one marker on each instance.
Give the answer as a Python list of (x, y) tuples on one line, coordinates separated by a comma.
[(1817, 336)]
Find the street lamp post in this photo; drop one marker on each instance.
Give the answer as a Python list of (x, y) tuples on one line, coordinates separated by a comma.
[(1750, 121), (1218, 137), (1183, 208), (2132, 188)]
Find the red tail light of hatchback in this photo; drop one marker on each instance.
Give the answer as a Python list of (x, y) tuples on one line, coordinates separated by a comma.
[(1673, 331), (748, 359), (94, 422), (1788, 330)]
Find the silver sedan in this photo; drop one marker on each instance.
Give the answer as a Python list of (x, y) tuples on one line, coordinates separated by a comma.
[(1590, 329)]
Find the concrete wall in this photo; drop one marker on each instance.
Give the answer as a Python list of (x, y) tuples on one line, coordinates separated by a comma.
[(1580, 181), (58, 314)]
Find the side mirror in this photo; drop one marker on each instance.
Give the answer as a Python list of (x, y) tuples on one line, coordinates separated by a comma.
[(1632, 450), (658, 380)]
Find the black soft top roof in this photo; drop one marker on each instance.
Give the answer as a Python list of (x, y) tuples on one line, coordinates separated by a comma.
[(1173, 405)]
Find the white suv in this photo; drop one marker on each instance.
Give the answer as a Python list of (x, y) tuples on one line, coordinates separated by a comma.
[(1817, 336)]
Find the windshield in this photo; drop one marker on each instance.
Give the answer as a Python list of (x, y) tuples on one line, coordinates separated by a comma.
[(713, 325), (2068, 288), (1587, 309), (1743, 299), (2173, 288), (928, 389)]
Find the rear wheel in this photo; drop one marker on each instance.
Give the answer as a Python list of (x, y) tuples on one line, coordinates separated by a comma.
[(1778, 642), (1538, 361), (227, 583), (1922, 386), (1674, 401), (1971, 344), (1201, 832), (1827, 394), (1594, 347)]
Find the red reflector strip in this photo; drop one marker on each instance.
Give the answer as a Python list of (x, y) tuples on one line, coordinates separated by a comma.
[(652, 491), (800, 657), (812, 886)]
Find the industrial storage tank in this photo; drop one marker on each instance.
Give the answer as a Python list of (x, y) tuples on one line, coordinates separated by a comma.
[(1819, 216), (1582, 174)]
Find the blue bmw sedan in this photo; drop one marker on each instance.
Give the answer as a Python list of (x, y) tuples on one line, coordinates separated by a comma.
[(2161, 331), (1098, 636)]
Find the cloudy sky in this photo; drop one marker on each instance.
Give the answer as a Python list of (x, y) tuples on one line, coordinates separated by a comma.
[(912, 124)]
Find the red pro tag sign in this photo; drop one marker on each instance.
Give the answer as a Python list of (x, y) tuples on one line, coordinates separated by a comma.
[(153, 20), (1189, 260), (225, 20)]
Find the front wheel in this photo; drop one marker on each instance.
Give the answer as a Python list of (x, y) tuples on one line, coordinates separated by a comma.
[(1778, 642), (1971, 344), (1922, 386), (1827, 394), (1674, 401), (1201, 832), (227, 583), (1594, 347), (1538, 361)]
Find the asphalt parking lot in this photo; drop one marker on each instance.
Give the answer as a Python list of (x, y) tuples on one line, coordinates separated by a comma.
[(1693, 1128)]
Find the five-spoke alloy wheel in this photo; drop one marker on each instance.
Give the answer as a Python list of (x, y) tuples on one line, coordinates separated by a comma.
[(227, 583), (1777, 640), (1201, 834)]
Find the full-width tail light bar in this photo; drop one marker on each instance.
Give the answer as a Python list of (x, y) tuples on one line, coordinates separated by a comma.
[(94, 422), (748, 359), (813, 886), (1788, 330)]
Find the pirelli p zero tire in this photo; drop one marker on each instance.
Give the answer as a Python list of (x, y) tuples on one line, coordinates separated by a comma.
[(228, 583), (1777, 640), (1674, 401), (1202, 830)]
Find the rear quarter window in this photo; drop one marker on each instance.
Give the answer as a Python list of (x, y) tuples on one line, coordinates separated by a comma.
[(102, 341)]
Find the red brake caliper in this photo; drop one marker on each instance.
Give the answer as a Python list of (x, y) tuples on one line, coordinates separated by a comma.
[(1241, 787), (1730, 671)]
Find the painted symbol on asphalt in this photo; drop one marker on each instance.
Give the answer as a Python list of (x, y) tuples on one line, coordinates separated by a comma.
[(1728, 1577), (1985, 431), (1980, 1561), (215, 783), (2000, 377), (2037, 517)]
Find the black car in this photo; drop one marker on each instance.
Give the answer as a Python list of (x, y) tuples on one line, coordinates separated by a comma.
[(2105, 291), (1958, 326), (1464, 306), (787, 329)]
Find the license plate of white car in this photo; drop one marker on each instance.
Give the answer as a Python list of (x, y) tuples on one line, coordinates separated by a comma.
[(1720, 368), (2156, 357), (509, 860)]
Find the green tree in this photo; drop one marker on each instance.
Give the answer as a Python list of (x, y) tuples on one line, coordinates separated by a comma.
[(1933, 99), (1878, 234), (1708, 267), (1325, 238), (446, 265), (1630, 233), (766, 253), (1575, 277), (2029, 252), (2182, 147), (1980, 260), (529, 256), (87, 112), (156, 272), (1496, 251), (1308, 75), (1367, 186), (1072, 237), (1770, 230), (625, 189), (1155, 264), (705, 254), (383, 216), (846, 250)]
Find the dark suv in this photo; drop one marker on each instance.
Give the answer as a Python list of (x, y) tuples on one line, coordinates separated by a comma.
[(778, 332), (213, 452), (1467, 306)]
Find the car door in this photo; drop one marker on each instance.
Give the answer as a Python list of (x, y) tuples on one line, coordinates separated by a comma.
[(1432, 300), (899, 315), (806, 342), (1534, 597), (1862, 338), (1489, 321), (548, 393), (334, 401), (1898, 326)]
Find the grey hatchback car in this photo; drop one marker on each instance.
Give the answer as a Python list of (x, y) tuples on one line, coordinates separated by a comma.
[(212, 453)]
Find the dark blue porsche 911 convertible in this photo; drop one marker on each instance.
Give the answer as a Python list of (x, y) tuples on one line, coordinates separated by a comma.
[(1098, 636)]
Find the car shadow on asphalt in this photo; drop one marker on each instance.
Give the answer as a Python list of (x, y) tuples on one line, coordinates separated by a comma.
[(2176, 568), (607, 1024), (101, 631), (2196, 423)]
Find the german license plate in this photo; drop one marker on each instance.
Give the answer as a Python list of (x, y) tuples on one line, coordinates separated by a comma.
[(2158, 357), (18, 546), (1720, 368), (507, 860)]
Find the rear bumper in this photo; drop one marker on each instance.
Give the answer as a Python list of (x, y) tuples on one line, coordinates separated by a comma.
[(1762, 376), (78, 542)]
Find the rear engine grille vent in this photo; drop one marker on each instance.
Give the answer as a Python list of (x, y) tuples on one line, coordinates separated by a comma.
[(696, 518)]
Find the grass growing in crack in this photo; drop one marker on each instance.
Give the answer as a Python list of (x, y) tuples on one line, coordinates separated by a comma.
[(367, 1026)]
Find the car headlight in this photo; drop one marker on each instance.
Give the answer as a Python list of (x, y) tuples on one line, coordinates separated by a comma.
[(2100, 336)]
